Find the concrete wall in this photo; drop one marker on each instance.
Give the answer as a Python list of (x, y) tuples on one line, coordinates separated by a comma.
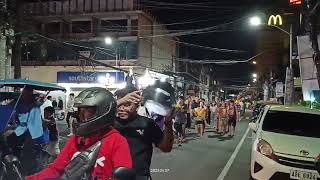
[(79, 6), (163, 49), (144, 41)]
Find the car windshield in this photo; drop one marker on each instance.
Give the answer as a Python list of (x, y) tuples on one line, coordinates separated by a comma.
[(293, 123)]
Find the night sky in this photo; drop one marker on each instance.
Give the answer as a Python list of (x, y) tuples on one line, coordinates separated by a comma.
[(237, 35)]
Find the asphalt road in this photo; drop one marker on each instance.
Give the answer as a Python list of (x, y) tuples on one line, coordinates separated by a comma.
[(208, 158)]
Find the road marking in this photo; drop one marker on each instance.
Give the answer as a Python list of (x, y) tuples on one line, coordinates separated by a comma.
[(233, 156)]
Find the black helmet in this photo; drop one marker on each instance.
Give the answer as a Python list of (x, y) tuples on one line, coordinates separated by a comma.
[(105, 114), (159, 98)]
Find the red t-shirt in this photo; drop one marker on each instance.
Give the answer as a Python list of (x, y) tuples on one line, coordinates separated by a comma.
[(114, 152)]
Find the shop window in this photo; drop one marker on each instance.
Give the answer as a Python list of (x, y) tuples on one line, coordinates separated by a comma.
[(81, 26), (113, 25), (53, 28)]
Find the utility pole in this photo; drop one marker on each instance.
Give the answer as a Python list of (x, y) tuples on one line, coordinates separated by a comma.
[(16, 50), (3, 39), (289, 86)]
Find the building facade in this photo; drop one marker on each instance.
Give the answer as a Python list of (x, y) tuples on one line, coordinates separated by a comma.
[(68, 32)]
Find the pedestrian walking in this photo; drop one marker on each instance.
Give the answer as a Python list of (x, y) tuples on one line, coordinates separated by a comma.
[(222, 115), (232, 118), (70, 113), (213, 112), (200, 117), (180, 120)]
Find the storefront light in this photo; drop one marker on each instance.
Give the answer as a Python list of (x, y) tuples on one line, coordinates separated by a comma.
[(112, 80), (146, 80), (102, 79), (121, 85)]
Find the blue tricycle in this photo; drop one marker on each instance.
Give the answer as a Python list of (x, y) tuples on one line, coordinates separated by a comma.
[(21, 125)]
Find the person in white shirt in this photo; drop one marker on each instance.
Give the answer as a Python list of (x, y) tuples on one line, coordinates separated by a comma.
[(47, 103), (70, 112)]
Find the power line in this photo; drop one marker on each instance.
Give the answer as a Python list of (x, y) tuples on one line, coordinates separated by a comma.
[(188, 5), (199, 30), (184, 9)]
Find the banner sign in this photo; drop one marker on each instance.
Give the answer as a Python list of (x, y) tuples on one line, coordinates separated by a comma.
[(279, 89), (90, 77)]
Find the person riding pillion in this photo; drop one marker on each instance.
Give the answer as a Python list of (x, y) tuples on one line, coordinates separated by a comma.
[(143, 132), (96, 149)]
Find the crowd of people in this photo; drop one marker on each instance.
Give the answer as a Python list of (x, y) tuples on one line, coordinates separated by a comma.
[(221, 116)]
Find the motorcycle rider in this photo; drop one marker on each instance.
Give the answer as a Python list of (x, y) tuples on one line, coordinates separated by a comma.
[(142, 132), (96, 148)]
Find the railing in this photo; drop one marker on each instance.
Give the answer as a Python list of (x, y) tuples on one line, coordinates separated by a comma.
[(47, 8)]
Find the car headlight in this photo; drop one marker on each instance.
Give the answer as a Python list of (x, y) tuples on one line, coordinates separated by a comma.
[(265, 148)]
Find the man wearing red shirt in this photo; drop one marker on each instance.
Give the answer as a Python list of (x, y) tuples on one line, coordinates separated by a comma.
[(97, 109)]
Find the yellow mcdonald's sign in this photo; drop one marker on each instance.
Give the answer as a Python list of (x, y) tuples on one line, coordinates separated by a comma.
[(275, 20)]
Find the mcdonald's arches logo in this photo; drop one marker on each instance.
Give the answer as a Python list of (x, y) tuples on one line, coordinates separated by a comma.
[(275, 20)]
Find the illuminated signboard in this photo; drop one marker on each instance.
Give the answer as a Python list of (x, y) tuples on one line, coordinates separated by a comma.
[(275, 20), (295, 2)]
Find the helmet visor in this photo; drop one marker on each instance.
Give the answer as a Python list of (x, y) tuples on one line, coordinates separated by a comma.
[(157, 108), (86, 113)]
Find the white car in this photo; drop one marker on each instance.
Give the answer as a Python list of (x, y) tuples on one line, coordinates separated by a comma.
[(286, 144)]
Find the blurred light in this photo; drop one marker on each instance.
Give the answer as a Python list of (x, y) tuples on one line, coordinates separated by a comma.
[(146, 80), (121, 85), (131, 71), (68, 86), (295, 2), (163, 79), (255, 21), (254, 62), (108, 40), (254, 75), (102, 79)]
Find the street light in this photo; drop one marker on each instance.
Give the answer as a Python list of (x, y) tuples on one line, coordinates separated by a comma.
[(108, 40), (255, 21), (254, 62), (254, 75)]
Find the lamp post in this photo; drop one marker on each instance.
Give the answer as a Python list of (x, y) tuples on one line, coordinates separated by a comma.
[(256, 21), (109, 41)]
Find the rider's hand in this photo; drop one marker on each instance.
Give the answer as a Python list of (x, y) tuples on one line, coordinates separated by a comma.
[(133, 97), (169, 119), (8, 132)]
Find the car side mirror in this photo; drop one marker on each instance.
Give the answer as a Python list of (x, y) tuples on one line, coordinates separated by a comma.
[(253, 126)]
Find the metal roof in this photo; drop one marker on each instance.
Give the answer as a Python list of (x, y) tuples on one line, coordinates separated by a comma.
[(36, 85)]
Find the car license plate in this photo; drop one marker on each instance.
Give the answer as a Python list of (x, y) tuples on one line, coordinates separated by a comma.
[(303, 175)]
